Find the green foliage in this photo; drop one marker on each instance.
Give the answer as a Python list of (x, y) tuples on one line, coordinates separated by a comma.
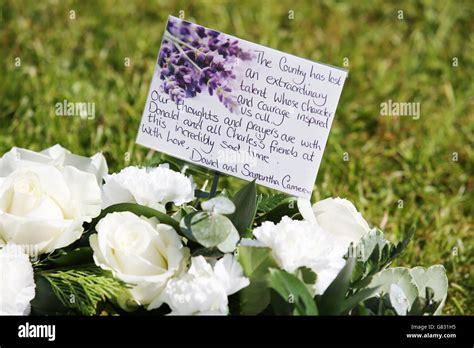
[(246, 205), (63, 258), (46, 302), (182, 211), (80, 289), (376, 253), (285, 207), (208, 252), (139, 210), (307, 275), (256, 263), (290, 296), (337, 299), (268, 201)]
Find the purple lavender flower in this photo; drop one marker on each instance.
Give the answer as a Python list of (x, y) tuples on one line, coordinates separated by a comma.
[(193, 58)]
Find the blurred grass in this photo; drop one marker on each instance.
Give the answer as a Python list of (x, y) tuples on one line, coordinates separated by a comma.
[(399, 171)]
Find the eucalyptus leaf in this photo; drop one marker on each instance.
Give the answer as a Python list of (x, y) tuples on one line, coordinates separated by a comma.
[(230, 243), (219, 204), (207, 229)]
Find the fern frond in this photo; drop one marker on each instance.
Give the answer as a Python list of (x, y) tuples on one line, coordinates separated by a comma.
[(83, 288), (266, 201)]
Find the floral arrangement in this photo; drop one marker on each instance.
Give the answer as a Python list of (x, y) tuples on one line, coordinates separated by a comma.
[(76, 240)]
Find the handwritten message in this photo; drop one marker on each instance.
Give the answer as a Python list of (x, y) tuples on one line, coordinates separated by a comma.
[(240, 108)]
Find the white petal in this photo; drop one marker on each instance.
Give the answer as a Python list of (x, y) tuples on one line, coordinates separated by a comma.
[(84, 192), (17, 286), (230, 273), (304, 206)]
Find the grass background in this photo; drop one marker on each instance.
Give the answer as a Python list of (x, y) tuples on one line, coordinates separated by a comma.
[(391, 161)]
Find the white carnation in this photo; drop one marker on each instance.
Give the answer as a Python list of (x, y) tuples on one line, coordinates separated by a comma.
[(147, 186), (296, 244), (17, 286), (203, 290)]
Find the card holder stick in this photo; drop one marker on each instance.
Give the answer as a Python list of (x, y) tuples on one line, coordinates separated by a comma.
[(215, 181)]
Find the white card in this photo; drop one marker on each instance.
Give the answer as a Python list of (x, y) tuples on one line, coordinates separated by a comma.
[(240, 108)]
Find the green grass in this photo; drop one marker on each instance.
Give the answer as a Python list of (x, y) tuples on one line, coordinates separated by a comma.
[(391, 160)]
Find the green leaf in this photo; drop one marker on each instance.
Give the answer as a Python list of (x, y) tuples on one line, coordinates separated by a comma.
[(256, 263), (245, 202), (208, 252), (337, 299), (330, 302), (182, 212), (287, 207), (400, 247), (307, 274), (354, 300), (63, 258), (139, 210), (207, 229), (294, 297)]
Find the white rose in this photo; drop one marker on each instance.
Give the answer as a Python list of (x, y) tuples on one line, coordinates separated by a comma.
[(45, 198), (337, 216), (17, 286), (296, 244), (203, 290), (152, 187), (57, 156), (139, 251)]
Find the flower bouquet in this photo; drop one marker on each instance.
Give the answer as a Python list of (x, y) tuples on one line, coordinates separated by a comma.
[(76, 240)]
